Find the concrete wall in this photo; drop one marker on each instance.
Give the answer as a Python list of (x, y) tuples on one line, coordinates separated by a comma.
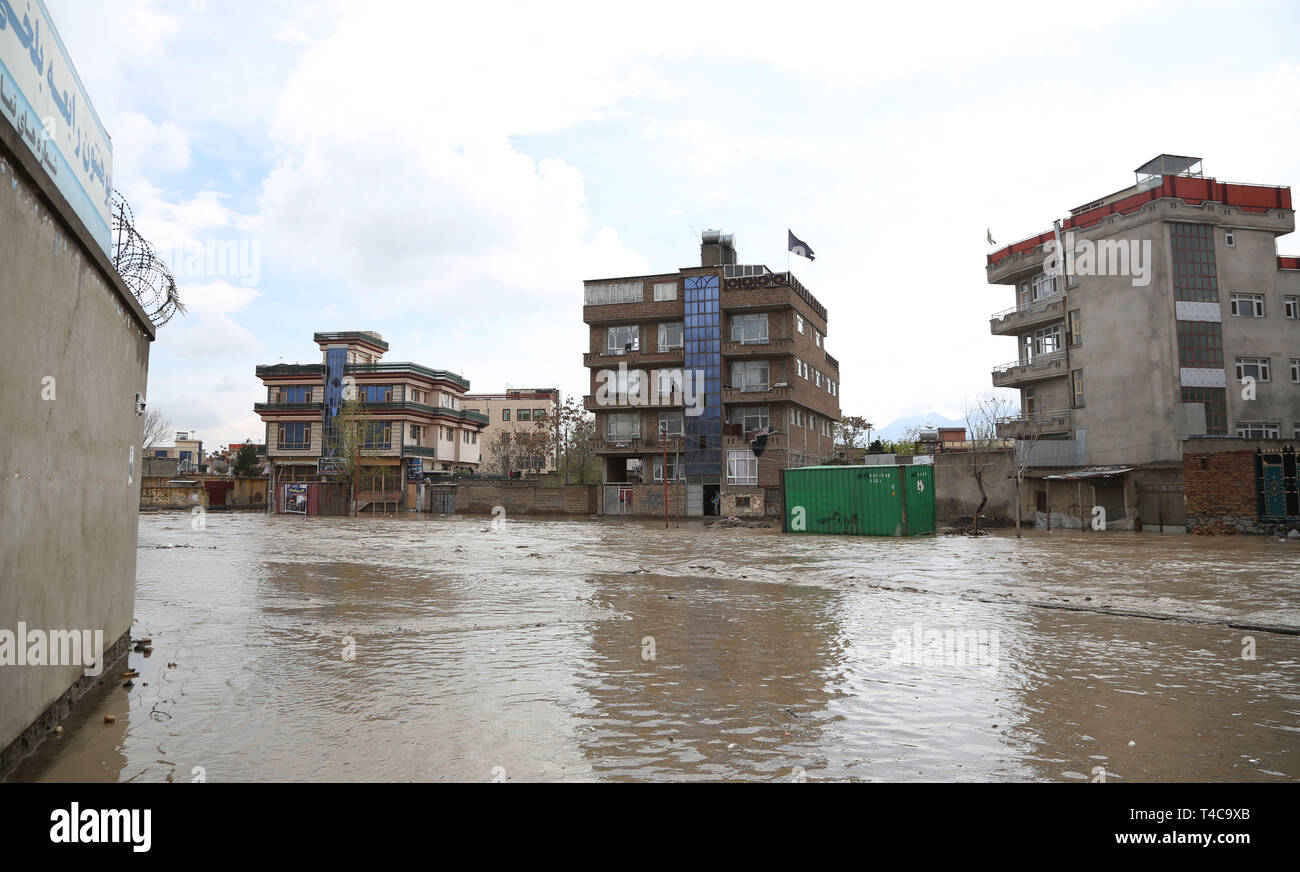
[(70, 455), (957, 494)]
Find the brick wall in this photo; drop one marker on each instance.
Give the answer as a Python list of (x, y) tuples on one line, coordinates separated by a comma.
[(1220, 486), (526, 499)]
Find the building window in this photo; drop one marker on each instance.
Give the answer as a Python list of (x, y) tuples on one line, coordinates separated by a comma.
[(749, 329), (624, 425), (1076, 328), (749, 375), (464, 436), (505, 414), (1045, 340), (665, 291), (377, 435), (613, 292), (1230, 238), (670, 423), (1029, 401), (817, 377), (817, 337), (670, 336), (539, 414), (1258, 431), (376, 393), (1195, 273), (1076, 384), (621, 340), (1291, 306), (1215, 401), (1045, 286), (812, 422), (1200, 344), (295, 394), (292, 437), (416, 432), (750, 418), (524, 415), (1295, 370), (446, 434), (674, 471), (742, 467), (1248, 305), (1254, 367), (798, 322)]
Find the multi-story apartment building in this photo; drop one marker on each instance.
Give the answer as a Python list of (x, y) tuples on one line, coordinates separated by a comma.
[(416, 426), (187, 450), (1171, 315), (726, 361), (515, 411)]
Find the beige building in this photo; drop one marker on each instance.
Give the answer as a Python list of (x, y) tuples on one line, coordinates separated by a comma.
[(518, 409), (1170, 316), (187, 450), (418, 424)]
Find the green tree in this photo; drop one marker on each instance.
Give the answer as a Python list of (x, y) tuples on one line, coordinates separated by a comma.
[(246, 460)]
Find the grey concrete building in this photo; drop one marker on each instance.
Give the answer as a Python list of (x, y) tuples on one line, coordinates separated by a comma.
[(1146, 317)]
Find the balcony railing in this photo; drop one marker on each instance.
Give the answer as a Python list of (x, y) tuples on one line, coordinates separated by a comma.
[(768, 347), (1040, 367), (265, 408), (755, 393), (1022, 426), (1040, 311), (667, 354)]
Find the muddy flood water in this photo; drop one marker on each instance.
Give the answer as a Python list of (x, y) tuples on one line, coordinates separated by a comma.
[(604, 650)]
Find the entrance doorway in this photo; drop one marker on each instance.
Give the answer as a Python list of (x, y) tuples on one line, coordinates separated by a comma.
[(711, 500)]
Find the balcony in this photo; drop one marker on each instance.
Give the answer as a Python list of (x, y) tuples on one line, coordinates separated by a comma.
[(1018, 319), (634, 312), (751, 395), (1035, 424), (287, 408), (1022, 372), (617, 402), (650, 358), (631, 445), (770, 348)]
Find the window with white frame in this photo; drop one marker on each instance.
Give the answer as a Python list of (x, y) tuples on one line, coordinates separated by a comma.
[(613, 292), (1044, 286), (670, 423), (798, 322), (742, 467), (1291, 306), (796, 417), (749, 329), (665, 291), (812, 422), (1247, 305), (674, 471), (622, 425), (1229, 238), (817, 377), (798, 367), (750, 418), (749, 375), (817, 337), (1258, 430), (1254, 367), (1295, 370), (670, 335), (621, 340), (1043, 341)]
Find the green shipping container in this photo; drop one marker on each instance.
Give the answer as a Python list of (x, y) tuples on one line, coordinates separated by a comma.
[(860, 500)]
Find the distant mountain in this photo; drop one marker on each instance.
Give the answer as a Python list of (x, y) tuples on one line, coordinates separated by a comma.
[(897, 429)]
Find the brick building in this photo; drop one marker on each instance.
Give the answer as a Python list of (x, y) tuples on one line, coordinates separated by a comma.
[(727, 362)]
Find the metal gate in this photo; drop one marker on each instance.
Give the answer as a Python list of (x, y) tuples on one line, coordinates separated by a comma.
[(1275, 484), (1161, 507), (694, 500), (442, 501), (618, 499)]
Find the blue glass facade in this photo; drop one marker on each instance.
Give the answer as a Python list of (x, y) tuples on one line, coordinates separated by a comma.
[(703, 351), (334, 360)]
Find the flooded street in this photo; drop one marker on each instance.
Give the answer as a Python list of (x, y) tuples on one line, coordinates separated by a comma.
[(603, 650)]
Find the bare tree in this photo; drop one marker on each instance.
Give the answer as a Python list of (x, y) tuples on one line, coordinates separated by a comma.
[(1025, 451), (983, 443), (156, 427)]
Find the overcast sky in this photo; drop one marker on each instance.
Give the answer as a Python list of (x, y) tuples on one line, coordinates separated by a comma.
[(448, 174)]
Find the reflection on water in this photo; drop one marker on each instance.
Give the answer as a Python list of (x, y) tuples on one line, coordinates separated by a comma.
[(579, 650)]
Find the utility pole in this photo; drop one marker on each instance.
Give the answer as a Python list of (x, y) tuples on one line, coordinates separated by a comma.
[(663, 438)]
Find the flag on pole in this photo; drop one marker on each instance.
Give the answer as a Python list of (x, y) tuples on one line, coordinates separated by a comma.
[(799, 247)]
